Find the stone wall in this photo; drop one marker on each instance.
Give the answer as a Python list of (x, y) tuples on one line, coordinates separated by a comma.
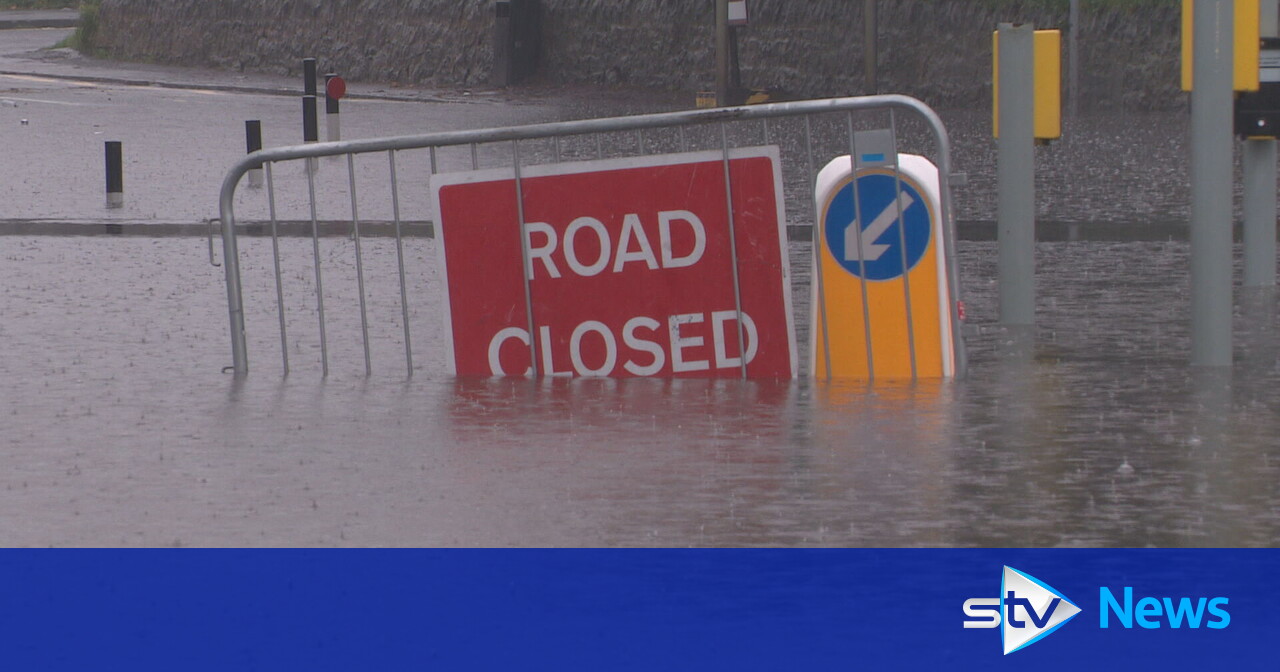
[(937, 50)]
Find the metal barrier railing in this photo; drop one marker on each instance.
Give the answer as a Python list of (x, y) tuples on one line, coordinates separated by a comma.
[(628, 136)]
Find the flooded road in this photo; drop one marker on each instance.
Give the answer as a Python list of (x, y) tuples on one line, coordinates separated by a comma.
[(120, 429), (118, 426)]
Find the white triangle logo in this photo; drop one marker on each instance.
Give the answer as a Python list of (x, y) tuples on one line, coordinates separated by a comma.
[(1031, 610)]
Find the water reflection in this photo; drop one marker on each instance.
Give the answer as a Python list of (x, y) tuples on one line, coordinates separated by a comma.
[(637, 461), (119, 428), (1062, 455), (1255, 333), (882, 460), (720, 462)]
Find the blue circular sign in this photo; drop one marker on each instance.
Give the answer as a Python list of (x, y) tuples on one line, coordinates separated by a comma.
[(892, 211)]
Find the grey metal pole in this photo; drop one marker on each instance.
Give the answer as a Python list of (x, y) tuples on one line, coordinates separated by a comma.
[(1259, 161), (1015, 175), (871, 45), (1211, 176), (1073, 59), (722, 52)]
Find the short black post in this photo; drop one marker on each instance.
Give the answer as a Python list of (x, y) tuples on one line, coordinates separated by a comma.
[(331, 98), (115, 174), (310, 123), (253, 143), (309, 77), (310, 120)]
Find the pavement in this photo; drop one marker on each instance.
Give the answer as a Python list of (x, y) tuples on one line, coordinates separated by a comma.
[(183, 128), (24, 19), (32, 55)]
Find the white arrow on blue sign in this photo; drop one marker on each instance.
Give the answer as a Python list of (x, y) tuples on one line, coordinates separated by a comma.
[(893, 210)]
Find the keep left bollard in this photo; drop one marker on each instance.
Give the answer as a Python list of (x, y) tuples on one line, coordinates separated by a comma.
[(115, 174)]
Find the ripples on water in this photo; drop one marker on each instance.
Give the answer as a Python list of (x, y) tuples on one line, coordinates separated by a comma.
[(119, 427)]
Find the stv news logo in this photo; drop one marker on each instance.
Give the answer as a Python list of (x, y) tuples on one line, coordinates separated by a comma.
[(1027, 610)]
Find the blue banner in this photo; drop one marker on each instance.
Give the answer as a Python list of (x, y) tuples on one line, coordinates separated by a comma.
[(637, 609)]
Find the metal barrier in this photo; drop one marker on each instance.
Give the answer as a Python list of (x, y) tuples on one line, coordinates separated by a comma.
[(809, 133)]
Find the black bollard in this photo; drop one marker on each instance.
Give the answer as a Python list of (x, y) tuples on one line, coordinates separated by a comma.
[(310, 120), (115, 174), (310, 123), (309, 77), (252, 136), (252, 143)]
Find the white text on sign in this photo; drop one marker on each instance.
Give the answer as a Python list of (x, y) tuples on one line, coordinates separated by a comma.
[(645, 349), (633, 246)]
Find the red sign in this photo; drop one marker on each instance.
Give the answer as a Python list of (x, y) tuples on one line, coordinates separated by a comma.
[(630, 269), (335, 88)]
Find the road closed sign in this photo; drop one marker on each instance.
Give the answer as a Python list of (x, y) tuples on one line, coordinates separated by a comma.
[(623, 268)]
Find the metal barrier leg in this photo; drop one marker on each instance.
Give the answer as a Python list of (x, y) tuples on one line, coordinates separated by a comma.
[(733, 249), (526, 264), (355, 232), (315, 248), (275, 258), (862, 262), (902, 240), (404, 288), (943, 142), (235, 294), (819, 239)]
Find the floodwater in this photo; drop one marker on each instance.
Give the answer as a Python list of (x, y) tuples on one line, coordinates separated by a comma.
[(120, 427)]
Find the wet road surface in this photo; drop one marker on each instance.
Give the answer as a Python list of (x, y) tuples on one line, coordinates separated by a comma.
[(119, 428)]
